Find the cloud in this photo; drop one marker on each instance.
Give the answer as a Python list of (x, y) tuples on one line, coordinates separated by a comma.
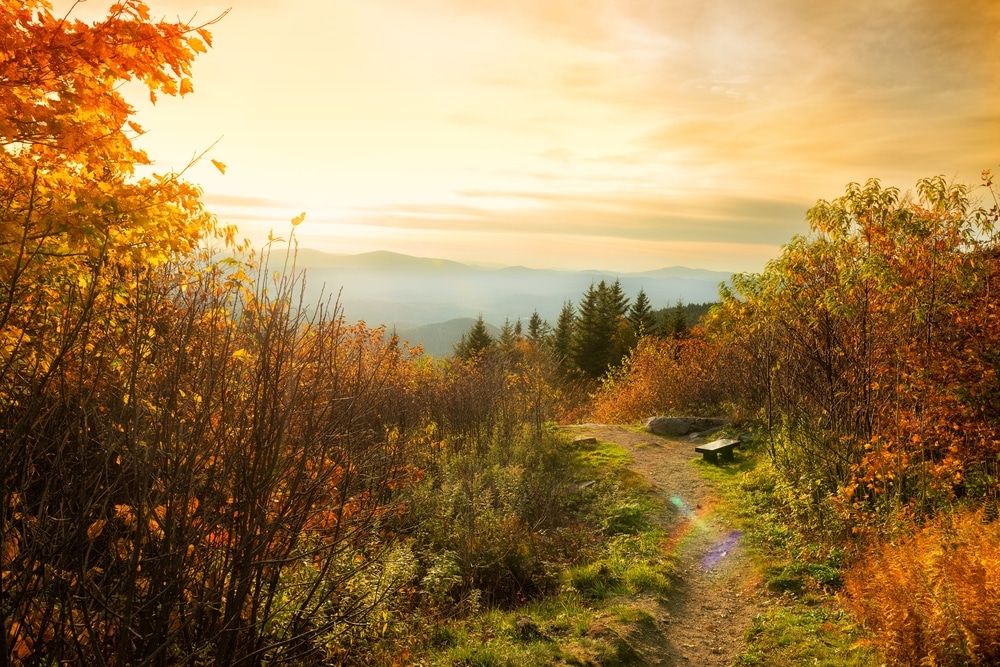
[(735, 219)]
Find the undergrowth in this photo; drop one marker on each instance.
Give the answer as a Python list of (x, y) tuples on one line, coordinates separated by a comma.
[(804, 623), (595, 615), (932, 594)]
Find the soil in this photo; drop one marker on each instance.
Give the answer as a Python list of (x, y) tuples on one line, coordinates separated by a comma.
[(717, 592)]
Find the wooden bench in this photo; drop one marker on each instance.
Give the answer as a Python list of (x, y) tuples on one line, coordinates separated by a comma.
[(722, 446)]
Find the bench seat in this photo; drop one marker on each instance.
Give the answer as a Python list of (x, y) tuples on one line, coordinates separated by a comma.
[(712, 450)]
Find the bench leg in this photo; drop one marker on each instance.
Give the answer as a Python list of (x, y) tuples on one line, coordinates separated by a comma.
[(711, 457), (727, 454)]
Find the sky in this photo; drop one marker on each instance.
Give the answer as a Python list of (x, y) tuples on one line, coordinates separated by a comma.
[(622, 135)]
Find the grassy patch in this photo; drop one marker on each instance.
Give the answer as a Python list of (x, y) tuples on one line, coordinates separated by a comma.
[(601, 613), (651, 444), (602, 456), (799, 634), (807, 627)]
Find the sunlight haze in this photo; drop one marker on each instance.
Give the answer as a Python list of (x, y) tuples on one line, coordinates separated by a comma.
[(624, 135)]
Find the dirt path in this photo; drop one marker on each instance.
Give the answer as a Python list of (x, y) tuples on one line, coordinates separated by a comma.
[(716, 593)]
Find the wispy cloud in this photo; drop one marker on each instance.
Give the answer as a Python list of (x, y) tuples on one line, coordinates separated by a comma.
[(581, 125)]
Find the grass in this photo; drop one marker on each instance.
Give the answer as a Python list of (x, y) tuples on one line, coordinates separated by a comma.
[(800, 634), (603, 457), (601, 613), (806, 626)]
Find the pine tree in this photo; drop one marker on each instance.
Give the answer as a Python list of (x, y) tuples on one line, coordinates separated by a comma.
[(614, 312), (641, 316), (562, 337), (598, 341), (538, 329), (617, 302), (509, 335), (674, 324), (476, 342), (587, 349)]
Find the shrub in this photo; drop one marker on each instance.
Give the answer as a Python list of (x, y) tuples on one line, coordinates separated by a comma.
[(933, 596), (658, 377)]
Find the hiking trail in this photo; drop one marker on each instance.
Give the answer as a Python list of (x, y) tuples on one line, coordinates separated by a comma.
[(717, 591)]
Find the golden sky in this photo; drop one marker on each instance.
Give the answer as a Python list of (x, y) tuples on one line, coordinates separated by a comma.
[(608, 134)]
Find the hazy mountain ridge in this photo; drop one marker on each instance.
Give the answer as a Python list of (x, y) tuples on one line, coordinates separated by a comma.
[(422, 297), (439, 339)]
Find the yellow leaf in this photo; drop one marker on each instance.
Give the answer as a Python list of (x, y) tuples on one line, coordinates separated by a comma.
[(297, 220), (95, 529), (241, 355), (126, 514), (196, 45), (220, 166)]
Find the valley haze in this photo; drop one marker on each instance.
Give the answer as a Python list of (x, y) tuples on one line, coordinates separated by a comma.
[(433, 301)]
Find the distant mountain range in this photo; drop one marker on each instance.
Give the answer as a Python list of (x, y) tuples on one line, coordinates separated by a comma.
[(434, 301)]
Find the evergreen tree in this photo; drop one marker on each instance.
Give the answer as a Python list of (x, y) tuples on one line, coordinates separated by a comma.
[(509, 335), (617, 302), (614, 313), (475, 342), (674, 323), (641, 316), (538, 329), (562, 337), (589, 333), (598, 341)]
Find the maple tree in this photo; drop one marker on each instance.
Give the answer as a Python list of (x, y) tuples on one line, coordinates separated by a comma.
[(72, 206)]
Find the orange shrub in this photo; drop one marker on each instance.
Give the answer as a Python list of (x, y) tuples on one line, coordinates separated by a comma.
[(933, 597), (658, 377)]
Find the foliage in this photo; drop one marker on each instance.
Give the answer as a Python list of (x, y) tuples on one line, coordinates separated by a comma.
[(932, 594), (660, 376), (589, 618), (492, 504), (202, 474), (682, 317), (196, 467), (798, 634), (866, 348)]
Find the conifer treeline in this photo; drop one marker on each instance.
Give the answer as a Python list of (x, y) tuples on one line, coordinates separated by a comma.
[(592, 337)]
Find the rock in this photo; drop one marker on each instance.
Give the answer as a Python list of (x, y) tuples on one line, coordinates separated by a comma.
[(677, 426), (584, 441)]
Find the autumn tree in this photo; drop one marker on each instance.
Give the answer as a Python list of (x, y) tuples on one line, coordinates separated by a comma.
[(192, 466), (846, 337)]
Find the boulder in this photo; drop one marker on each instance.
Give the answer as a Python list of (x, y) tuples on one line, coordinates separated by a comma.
[(675, 427)]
